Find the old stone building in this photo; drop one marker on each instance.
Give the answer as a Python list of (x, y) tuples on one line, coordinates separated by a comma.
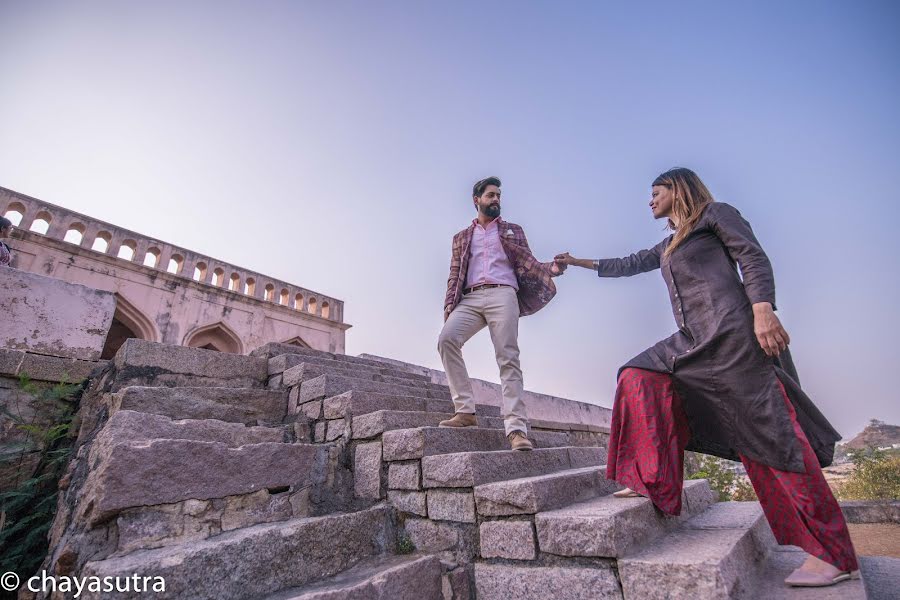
[(165, 293)]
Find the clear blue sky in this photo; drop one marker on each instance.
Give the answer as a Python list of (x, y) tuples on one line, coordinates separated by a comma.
[(334, 144)]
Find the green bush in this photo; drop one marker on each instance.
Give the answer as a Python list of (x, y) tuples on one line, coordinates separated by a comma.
[(723, 480), (27, 510), (876, 476)]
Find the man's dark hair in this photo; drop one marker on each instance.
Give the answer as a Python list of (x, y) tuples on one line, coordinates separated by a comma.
[(478, 188), (4, 222)]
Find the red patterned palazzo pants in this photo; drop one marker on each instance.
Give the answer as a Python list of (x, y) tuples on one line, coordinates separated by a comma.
[(649, 433)]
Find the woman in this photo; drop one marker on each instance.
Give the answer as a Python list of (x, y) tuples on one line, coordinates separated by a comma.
[(6, 228), (724, 384)]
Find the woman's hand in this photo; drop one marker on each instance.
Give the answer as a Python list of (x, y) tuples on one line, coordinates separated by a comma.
[(771, 335), (567, 259)]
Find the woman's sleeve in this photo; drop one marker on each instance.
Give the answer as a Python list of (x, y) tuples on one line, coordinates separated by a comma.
[(744, 248), (639, 262)]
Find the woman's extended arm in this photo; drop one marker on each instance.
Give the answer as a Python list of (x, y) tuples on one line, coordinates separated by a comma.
[(639, 262)]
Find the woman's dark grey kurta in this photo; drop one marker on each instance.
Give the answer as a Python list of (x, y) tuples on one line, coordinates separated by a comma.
[(727, 384)]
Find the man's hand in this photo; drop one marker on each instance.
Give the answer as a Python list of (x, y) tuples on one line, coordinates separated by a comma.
[(447, 312), (557, 268), (769, 333)]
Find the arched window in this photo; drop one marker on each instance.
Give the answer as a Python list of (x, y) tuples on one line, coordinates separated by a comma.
[(250, 287), (75, 234), (218, 277), (151, 259), (270, 292), (218, 337), (176, 263), (15, 212), (326, 310), (101, 242), (234, 284), (200, 272), (298, 302), (311, 306), (127, 250), (42, 223), (283, 298)]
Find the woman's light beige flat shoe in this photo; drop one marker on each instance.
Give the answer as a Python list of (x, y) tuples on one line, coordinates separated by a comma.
[(800, 578), (627, 493)]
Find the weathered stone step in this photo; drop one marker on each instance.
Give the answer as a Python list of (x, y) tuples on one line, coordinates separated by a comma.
[(162, 471), (235, 405), (470, 469), (284, 363), (356, 402), (716, 554), (530, 495), (413, 577), (258, 560), (576, 582), (132, 427), (326, 386), (139, 362), (305, 371), (405, 444), (611, 527), (376, 423), (274, 350)]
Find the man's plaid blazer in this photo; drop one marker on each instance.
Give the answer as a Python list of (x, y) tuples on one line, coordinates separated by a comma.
[(536, 287)]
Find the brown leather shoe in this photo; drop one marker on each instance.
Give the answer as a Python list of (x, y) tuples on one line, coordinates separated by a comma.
[(460, 420), (519, 441)]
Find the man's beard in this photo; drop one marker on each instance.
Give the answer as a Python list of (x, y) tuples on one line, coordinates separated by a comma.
[(491, 210)]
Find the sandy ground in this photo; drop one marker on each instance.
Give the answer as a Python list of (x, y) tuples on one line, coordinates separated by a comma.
[(876, 539)]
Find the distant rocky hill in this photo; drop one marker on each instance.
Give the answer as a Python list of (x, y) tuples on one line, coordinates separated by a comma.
[(877, 434)]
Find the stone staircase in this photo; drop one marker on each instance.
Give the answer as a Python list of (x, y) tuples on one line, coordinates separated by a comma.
[(298, 474)]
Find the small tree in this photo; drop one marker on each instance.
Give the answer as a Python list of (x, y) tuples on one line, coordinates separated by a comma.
[(876, 476), (721, 478)]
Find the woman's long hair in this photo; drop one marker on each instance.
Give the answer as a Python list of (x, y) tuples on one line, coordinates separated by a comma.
[(691, 196)]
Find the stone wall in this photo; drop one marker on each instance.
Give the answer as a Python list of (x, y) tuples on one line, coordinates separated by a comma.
[(51, 332), (541, 407), (51, 317)]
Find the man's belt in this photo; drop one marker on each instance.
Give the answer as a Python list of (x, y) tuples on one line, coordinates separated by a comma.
[(482, 286)]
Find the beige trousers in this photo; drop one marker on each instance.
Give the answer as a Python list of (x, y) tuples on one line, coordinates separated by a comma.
[(498, 309)]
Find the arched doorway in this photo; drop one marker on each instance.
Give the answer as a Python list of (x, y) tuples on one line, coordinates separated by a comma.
[(218, 337), (128, 322)]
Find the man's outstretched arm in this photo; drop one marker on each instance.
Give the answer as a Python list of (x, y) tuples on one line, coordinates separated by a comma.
[(556, 268)]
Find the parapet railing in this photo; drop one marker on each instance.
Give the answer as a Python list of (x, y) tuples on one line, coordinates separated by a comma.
[(85, 232)]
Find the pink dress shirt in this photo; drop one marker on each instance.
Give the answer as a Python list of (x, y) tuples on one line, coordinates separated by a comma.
[(488, 262)]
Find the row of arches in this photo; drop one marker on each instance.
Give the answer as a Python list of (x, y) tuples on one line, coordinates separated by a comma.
[(129, 322), (248, 287), (128, 249)]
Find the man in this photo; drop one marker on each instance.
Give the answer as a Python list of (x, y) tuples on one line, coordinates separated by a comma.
[(494, 279)]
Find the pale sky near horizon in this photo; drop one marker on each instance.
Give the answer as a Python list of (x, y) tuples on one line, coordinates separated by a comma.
[(334, 145)]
